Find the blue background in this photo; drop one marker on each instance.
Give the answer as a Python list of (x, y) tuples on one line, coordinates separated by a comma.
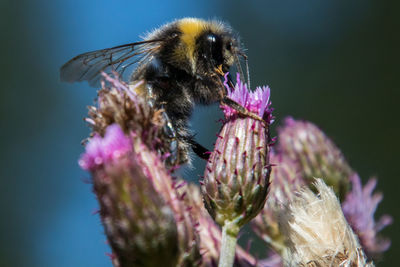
[(331, 62)]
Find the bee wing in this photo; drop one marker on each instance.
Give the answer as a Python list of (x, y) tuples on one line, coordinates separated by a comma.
[(89, 66)]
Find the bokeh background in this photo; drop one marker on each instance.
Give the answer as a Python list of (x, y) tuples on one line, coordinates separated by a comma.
[(332, 62)]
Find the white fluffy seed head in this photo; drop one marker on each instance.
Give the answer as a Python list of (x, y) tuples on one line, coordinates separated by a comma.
[(317, 232)]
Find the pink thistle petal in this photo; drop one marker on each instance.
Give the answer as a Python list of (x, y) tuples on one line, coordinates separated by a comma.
[(257, 102), (359, 208), (102, 150)]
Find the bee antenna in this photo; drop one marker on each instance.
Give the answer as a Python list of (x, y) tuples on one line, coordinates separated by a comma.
[(247, 67), (238, 65)]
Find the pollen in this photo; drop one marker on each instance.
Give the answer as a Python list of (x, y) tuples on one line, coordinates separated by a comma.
[(139, 89)]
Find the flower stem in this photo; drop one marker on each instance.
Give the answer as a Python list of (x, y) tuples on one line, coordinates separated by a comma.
[(228, 245)]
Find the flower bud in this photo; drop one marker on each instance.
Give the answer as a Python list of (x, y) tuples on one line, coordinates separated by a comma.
[(138, 221), (316, 155), (236, 177), (167, 187)]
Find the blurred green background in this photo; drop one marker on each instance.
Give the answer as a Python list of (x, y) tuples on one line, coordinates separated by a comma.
[(334, 63)]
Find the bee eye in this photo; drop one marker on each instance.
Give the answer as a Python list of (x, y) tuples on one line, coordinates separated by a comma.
[(214, 48)]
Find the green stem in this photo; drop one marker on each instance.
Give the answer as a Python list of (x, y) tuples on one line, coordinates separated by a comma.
[(228, 246)]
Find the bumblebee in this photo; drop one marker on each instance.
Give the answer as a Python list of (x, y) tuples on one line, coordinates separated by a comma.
[(181, 64)]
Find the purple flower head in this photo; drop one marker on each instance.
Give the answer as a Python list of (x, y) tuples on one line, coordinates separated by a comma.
[(315, 153), (256, 101), (359, 208), (102, 150)]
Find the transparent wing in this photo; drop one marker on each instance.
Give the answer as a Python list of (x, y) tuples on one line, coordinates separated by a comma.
[(88, 66)]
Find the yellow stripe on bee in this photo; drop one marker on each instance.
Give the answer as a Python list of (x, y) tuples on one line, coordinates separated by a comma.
[(191, 28)]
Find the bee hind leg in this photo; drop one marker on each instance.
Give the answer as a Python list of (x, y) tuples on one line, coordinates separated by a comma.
[(198, 149)]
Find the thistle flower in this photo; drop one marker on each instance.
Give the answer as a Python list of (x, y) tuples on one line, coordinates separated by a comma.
[(359, 208), (138, 222), (285, 182), (317, 232), (315, 153), (105, 150), (128, 159), (236, 178)]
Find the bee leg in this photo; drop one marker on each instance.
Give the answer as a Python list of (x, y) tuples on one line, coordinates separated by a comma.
[(240, 109), (225, 100), (198, 149), (175, 145), (151, 99), (168, 128)]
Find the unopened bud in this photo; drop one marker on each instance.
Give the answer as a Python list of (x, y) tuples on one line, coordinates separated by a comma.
[(316, 154)]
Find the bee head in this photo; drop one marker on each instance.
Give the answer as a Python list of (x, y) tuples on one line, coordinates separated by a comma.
[(205, 45), (216, 46)]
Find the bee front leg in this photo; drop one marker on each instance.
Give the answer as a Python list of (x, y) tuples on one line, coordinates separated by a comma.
[(225, 100), (240, 109)]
